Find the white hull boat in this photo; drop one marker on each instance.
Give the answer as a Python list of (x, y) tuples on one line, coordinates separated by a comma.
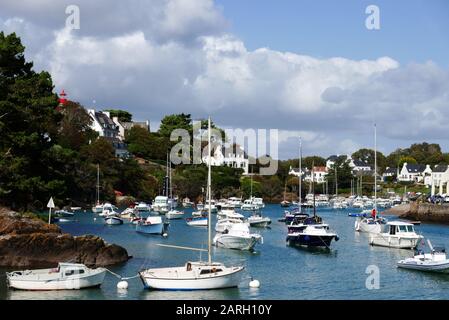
[(225, 224), (192, 276), (113, 220), (174, 214), (197, 221), (237, 237), (435, 261), (400, 235), (369, 225), (67, 276), (259, 221)]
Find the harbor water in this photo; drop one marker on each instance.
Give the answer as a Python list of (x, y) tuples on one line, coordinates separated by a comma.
[(284, 272)]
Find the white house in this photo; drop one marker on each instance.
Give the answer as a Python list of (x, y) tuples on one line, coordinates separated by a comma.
[(103, 124), (389, 172), (124, 126), (295, 172), (439, 176), (225, 157), (319, 175), (415, 173), (331, 160), (357, 165)]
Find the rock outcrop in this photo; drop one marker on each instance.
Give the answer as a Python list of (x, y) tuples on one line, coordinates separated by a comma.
[(419, 211), (31, 243)]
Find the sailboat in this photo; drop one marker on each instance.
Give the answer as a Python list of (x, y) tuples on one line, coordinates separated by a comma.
[(311, 232), (173, 213), (98, 208), (194, 275), (285, 203), (374, 223)]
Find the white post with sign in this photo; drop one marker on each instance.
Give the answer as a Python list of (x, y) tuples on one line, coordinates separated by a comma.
[(50, 205)]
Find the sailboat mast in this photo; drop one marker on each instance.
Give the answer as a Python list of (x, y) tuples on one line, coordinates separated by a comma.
[(375, 169), (336, 182), (300, 176), (171, 190), (209, 195), (313, 188), (98, 184)]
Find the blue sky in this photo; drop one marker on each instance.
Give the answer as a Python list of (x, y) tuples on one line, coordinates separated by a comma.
[(411, 30)]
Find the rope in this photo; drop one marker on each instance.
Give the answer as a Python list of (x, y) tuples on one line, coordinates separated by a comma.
[(120, 277)]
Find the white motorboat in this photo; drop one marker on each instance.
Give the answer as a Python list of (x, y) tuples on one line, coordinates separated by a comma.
[(160, 204), (113, 220), (195, 275), (151, 225), (258, 221), (248, 205), (212, 205), (108, 210), (186, 203), (435, 261), (197, 221), (236, 202), (142, 207), (398, 234), (224, 224), (237, 237), (229, 214), (174, 214), (67, 276)]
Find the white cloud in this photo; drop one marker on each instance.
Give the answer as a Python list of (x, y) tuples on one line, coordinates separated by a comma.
[(167, 56)]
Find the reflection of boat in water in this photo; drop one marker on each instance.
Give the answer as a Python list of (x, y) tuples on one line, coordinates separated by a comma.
[(67, 276), (435, 261)]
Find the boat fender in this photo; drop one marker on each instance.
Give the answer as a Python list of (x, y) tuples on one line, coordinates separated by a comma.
[(254, 284), (122, 285), (337, 238), (165, 234)]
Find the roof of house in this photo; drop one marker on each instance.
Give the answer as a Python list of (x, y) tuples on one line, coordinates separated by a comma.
[(104, 120), (333, 157), (390, 170), (415, 168), (440, 168), (320, 169), (360, 163)]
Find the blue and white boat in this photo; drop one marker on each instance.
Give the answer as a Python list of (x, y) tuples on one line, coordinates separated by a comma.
[(197, 221), (152, 225)]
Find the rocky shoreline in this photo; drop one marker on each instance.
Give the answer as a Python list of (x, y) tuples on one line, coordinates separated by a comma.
[(31, 243), (426, 212)]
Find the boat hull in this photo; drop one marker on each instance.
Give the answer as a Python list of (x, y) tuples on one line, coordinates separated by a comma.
[(438, 267), (197, 222), (395, 242), (362, 226), (235, 242), (310, 241), (150, 228), (90, 281), (113, 221), (228, 280)]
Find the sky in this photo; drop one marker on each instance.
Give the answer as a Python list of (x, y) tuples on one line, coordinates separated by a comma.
[(306, 68)]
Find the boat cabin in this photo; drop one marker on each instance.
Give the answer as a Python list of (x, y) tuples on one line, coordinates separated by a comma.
[(398, 227)]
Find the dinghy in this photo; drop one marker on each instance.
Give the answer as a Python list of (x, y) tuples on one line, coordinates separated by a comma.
[(237, 237), (435, 261)]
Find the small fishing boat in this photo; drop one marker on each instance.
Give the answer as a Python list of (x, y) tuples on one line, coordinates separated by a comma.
[(160, 204), (67, 276), (174, 214), (113, 220), (237, 237), (435, 261), (108, 210), (229, 214), (197, 221), (257, 221), (313, 235), (152, 225), (142, 207), (399, 235), (64, 213)]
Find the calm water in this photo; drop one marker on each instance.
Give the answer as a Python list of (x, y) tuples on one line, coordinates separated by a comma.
[(284, 272)]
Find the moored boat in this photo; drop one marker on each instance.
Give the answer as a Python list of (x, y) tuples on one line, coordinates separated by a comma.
[(237, 237), (435, 261), (398, 234), (67, 276), (151, 225)]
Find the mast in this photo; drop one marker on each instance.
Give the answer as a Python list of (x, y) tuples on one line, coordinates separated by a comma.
[(169, 184), (98, 183), (375, 171), (209, 196), (336, 182), (313, 188), (300, 175)]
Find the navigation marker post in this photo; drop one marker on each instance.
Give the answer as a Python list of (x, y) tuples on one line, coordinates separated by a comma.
[(50, 205)]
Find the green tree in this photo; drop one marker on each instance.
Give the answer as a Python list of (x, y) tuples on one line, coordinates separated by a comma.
[(175, 121), (122, 115), (147, 145), (408, 159)]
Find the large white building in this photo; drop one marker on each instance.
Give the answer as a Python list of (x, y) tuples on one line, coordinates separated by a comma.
[(222, 157), (415, 173)]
